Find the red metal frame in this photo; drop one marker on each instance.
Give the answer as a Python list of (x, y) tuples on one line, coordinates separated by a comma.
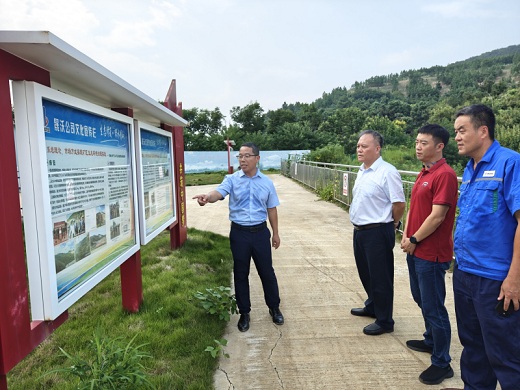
[(130, 271), (18, 334), (178, 230)]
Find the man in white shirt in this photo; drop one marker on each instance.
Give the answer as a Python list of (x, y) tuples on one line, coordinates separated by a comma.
[(376, 210)]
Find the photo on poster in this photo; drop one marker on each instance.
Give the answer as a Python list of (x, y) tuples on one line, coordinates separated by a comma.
[(100, 216)]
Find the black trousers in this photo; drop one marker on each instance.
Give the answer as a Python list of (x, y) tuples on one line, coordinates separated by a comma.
[(257, 245), (373, 250)]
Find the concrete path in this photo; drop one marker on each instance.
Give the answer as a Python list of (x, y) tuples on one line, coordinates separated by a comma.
[(321, 345)]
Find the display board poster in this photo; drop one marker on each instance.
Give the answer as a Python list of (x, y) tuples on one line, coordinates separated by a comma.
[(155, 177), (83, 177)]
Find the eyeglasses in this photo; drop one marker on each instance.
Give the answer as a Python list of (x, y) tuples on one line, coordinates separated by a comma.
[(241, 156)]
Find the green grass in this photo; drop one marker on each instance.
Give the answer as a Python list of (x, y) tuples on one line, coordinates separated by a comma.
[(171, 322), (199, 179)]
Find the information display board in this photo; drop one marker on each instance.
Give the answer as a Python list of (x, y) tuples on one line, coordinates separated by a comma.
[(78, 181), (155, 175)]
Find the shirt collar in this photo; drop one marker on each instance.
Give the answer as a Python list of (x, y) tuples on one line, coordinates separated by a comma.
[(257, 174), (374, 165), (435, 166), (488, 155)]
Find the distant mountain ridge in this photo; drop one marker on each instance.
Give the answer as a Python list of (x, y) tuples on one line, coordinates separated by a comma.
[(506, 51)]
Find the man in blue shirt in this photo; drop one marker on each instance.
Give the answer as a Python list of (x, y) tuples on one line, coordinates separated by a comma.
[(252, 200), (487, 251)]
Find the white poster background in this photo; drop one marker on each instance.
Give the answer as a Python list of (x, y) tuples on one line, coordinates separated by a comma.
[(77, 174), (155, 173)]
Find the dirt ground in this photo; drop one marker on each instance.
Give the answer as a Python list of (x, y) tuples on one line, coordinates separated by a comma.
[(321, 345)]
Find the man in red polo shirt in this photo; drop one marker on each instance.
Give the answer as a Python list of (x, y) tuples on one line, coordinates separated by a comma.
[(428, 243)]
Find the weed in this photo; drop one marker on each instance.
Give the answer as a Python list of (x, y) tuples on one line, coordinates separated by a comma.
[(218, 301), (109, 365), (219, 349)]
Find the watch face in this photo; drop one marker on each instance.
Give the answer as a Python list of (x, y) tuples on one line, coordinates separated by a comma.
[(413, 240)]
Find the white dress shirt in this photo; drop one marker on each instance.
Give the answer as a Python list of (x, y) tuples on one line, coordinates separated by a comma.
[(375, 189)]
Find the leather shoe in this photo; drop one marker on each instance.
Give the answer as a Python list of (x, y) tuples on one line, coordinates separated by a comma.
[(419, 346), (277, 316), (243, 322), (375, 330), (361, 312), (434, 375)]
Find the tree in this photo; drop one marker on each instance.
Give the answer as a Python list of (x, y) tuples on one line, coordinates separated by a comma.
[(250, 118), (277, 118), (298, 136), (204, 121), (392, 131)]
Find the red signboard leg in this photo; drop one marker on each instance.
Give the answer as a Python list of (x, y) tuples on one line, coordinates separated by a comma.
[(132, 283)]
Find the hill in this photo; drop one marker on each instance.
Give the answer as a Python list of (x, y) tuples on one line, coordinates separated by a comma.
[(396, 105)]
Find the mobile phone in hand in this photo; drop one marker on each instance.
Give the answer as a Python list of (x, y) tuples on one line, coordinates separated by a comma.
[(500, 308)]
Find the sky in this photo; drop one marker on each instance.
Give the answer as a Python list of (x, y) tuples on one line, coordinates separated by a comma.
[(229, 53)]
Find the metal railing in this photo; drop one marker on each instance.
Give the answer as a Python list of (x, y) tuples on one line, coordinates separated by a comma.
[(337, 177)]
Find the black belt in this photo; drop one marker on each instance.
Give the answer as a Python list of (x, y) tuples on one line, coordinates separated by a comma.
[(252, 229), (370, 226)]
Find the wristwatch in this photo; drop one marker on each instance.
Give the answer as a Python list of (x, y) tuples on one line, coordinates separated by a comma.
[(413, 240)]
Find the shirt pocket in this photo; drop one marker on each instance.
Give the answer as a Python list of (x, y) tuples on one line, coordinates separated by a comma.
[(487, 196)]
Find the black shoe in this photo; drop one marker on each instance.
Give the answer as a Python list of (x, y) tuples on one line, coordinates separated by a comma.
[(434, 375), (243, 322), (419, 346), (277, 316), (361, 312), (375, 330)]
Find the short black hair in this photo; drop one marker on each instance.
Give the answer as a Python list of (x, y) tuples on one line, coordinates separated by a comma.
[(256, 150), (438, 133), (480, 115), (377, 136)]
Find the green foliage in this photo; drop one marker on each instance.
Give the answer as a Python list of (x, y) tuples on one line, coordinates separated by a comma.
[(108, 364), (250, 118), (392, 131), (328, 154), (326, 192), (218, 301), (218, 350)]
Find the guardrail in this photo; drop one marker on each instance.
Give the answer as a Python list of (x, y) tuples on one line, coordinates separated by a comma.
[(341, 178)]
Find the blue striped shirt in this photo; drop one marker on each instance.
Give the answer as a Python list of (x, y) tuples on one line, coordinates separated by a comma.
[(249, 197)]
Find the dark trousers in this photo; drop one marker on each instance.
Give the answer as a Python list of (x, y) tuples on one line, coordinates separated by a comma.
[(428, 287), (257, 245), (373, 250), (491, 342)]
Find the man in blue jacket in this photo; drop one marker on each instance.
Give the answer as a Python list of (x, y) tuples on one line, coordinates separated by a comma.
[(486, 281)]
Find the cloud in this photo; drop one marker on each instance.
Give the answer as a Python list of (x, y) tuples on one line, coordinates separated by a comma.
[(464, 9), (144, 28), (68, 18)]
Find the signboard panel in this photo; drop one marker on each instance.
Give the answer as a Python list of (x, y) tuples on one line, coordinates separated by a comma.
[(77, 172), (155, 175)]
